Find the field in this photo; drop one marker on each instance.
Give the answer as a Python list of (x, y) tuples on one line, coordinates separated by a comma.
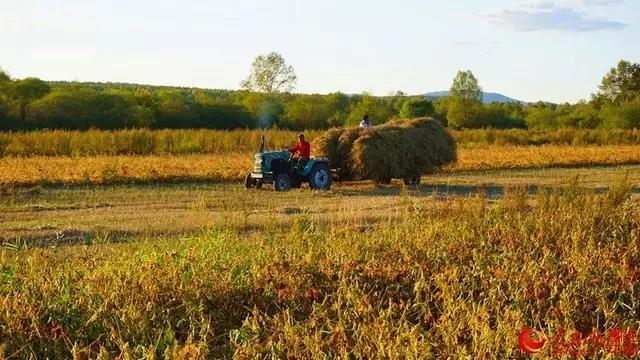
[(165, 255), (123, 169)]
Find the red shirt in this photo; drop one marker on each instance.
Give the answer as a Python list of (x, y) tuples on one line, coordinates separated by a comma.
[(302, 149)]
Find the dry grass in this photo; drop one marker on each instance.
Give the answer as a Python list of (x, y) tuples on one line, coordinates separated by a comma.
[(234, 166), (519, 157), (180, 142), (426, 277)]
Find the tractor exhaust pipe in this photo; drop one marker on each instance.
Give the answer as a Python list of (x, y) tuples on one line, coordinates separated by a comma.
[(262, 144)]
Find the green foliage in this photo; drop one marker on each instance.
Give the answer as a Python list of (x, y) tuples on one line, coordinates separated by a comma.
[(464, 107), (79, 108), (464, 113), (542, 118), (270, 74), (416, 107), (623, 116), (379, 109), (465, 86), (502, 116), (308, 112), (27, 90), (34, 104), (621, 83)]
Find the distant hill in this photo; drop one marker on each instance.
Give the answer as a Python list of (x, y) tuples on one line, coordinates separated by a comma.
[(487, 97)]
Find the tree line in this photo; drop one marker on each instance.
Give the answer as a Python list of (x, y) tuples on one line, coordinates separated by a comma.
[(267, 101)]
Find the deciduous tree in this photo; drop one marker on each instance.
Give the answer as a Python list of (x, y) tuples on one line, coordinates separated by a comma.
[(270, 74), (621, 83), (27, 90)]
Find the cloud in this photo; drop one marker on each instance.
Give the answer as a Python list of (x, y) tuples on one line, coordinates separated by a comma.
[(594, 2), (546, 15)]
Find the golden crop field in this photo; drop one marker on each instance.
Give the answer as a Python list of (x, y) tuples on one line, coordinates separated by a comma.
[(104, 169)]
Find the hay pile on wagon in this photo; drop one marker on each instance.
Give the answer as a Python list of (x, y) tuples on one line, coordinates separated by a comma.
[(401, 149)]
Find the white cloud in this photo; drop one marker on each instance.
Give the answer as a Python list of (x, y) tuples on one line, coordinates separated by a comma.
[(594, 2), (546, 15)]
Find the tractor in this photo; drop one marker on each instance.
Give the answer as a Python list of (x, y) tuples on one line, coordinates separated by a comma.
[(284, 171)]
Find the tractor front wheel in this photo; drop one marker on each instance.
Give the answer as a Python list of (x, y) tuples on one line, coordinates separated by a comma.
[(320, 177), (282, 182), (412, 180)]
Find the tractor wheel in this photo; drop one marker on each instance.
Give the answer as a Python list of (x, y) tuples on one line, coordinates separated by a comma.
[(383, 181), (259, 184), (320, 177), (412, 180), (249, 182), (282, 182)]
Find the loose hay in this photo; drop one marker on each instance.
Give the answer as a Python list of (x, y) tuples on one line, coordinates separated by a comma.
[(397, 149)]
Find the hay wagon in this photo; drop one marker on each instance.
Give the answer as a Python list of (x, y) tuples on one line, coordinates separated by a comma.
[(399, 149)]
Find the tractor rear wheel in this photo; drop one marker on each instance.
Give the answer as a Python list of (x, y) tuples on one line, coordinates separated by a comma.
[(249, 182), (412, 180), (282, 182), (383, 181), (320, 177)]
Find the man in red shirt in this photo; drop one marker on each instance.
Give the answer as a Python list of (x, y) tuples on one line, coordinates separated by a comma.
[(302, 149)]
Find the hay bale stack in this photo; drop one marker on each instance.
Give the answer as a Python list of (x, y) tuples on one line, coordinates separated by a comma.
[(335, 144), (397, 149), (326, 144)]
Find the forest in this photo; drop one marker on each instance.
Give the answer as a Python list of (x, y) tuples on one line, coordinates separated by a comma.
[(31, 104)]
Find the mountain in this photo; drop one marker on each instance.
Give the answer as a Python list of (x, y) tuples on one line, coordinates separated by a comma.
[(487, 97)]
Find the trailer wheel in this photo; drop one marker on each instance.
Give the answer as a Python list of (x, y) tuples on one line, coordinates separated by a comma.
[(412, 180), (249, 182), (383, 181), (320, 177), (282, 182)]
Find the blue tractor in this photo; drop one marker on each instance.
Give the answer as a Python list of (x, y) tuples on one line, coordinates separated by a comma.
[(284, 171)]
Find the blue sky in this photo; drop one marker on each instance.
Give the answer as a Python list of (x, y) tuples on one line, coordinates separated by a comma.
[(552, 50)]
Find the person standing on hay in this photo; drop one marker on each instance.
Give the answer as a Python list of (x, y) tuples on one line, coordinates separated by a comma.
[(365, 123)]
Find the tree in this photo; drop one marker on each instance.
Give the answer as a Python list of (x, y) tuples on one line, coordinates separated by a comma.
[(465, 106), (416, 107), (464, 113), (27, 90), (5, 80), (377, 108), (623, 116), (502, 116), (83, 108), (621, 83), (307, 112), (270, 74), (465, 86), (542, 118)]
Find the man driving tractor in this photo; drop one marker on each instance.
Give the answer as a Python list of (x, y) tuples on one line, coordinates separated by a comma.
[(302, 149), (289, 168)]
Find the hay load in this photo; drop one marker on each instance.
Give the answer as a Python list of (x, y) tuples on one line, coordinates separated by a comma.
[(401, 149)]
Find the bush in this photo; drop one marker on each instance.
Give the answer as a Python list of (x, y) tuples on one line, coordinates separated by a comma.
[(416, 107)]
